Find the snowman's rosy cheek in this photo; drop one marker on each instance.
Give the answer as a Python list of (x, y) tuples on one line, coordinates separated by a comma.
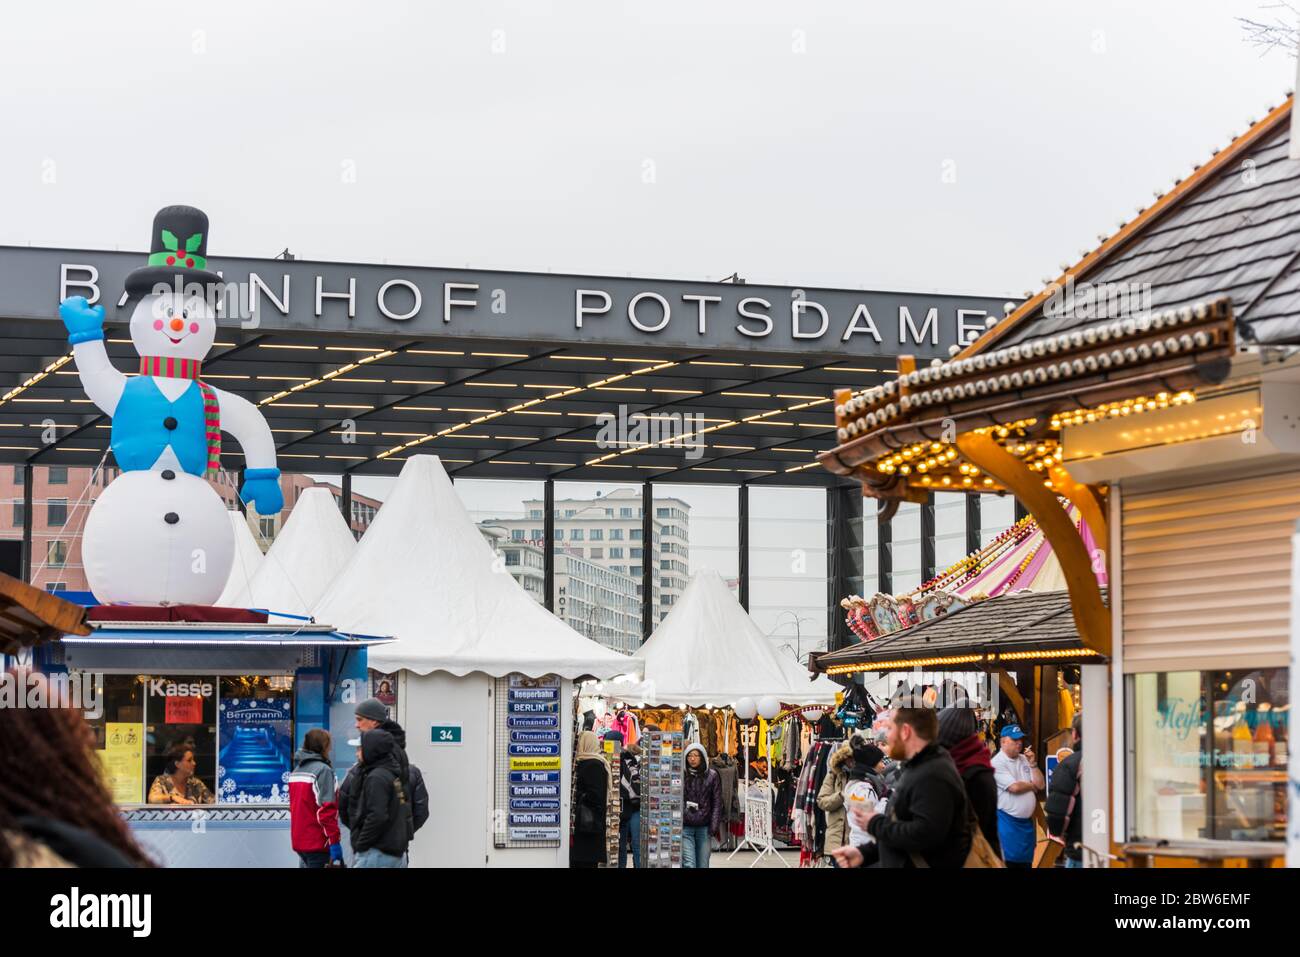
[(158, 324), (194, 327)]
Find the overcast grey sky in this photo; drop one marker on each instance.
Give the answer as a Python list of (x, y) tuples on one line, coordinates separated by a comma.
[(929, 146), (794, 142)]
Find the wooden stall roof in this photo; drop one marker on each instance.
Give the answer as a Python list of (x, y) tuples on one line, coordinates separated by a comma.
[(29, 616), (1014, 630)]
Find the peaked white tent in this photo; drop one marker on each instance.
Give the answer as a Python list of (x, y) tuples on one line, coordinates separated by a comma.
[(424, 574), (708, 651), (312, 548), (248, 560)]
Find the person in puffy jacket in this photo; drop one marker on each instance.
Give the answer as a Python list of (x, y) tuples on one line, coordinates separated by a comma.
[(701, 807), (830, 798), (379, 809), (313, 811)]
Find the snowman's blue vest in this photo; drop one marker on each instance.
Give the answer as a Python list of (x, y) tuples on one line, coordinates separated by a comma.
[(139, 435)]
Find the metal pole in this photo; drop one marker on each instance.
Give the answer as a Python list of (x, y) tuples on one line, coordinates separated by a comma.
[(28, 480), (345, 500), (647, 567), (973, 536), (885, 557), (548, 543), (744, 547), (928, 561)]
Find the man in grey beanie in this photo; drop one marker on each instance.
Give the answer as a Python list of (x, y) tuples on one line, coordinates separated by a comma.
[(372, 714)]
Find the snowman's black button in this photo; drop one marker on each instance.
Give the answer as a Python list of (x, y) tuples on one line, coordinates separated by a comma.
[(169, 423), (168, 474), (171, 518)]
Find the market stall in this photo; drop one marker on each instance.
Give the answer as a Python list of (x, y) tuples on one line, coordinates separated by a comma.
[(706, 656), (485, 676), (1153, 385)]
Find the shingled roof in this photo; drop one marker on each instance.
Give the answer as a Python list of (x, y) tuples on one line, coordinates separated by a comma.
[(1230, 229), (1023, 627)]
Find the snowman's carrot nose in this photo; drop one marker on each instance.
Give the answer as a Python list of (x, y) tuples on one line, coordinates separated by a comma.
[(177, 325)]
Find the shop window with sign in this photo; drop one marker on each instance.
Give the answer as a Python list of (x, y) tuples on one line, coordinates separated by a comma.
[(1208, 755), (180, 713), (239, 730)]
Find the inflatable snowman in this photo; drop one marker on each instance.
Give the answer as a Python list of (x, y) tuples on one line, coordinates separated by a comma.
[(159, 534)]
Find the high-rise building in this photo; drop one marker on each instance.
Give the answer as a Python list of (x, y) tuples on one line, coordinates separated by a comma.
[(606, 531)]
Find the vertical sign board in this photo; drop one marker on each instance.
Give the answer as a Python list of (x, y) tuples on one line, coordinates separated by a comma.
[(531, 742)]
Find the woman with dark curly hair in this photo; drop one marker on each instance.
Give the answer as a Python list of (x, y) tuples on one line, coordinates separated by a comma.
[(55, 810)]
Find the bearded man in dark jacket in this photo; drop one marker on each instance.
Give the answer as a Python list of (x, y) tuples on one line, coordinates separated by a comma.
[(927, 819), (378, 806)]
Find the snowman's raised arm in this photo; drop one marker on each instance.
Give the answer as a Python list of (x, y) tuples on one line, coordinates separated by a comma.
[(103, 383), (241, 419)]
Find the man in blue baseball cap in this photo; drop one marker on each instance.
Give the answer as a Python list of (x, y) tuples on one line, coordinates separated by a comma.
[(1018, 780)]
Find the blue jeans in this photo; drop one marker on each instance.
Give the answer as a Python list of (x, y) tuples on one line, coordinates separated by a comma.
[(695, 846), (1071, 862), (377, 858), (630, 833), (314, 859)]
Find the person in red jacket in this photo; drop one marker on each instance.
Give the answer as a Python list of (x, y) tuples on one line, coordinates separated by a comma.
[(313, 811)]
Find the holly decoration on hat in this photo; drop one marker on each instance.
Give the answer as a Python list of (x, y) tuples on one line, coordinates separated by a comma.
[(173, 255)]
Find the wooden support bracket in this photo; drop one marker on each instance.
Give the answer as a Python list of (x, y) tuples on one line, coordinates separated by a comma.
[(1091, 615)]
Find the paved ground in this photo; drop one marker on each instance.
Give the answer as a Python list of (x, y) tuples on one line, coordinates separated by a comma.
[(746, 857)]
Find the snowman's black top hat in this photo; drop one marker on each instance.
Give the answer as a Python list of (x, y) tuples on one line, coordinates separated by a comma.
[(178, 248)]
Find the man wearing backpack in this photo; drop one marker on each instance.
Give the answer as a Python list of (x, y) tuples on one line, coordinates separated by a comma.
[(379, 810), (927, 822), (372, 714)]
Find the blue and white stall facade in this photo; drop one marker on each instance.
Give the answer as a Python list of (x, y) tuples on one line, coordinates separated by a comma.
[(242, 696)]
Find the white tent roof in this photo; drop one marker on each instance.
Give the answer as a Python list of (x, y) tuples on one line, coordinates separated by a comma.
[(424, 574), (312, 548), (248, 559), (708, 651)]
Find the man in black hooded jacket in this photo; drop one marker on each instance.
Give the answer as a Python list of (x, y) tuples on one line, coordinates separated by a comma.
[(372, 714), (378, 807)]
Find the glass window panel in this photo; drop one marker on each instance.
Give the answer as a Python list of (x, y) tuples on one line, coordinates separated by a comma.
[(1250, 755), (788, 566)]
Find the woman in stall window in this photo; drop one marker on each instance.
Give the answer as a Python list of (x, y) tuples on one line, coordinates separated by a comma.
[(178, 783)]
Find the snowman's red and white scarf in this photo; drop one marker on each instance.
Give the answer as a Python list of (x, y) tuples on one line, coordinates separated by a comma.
[(169, 367)]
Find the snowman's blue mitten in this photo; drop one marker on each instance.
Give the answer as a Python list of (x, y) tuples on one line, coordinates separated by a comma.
[(262, 488), (84, 322)]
